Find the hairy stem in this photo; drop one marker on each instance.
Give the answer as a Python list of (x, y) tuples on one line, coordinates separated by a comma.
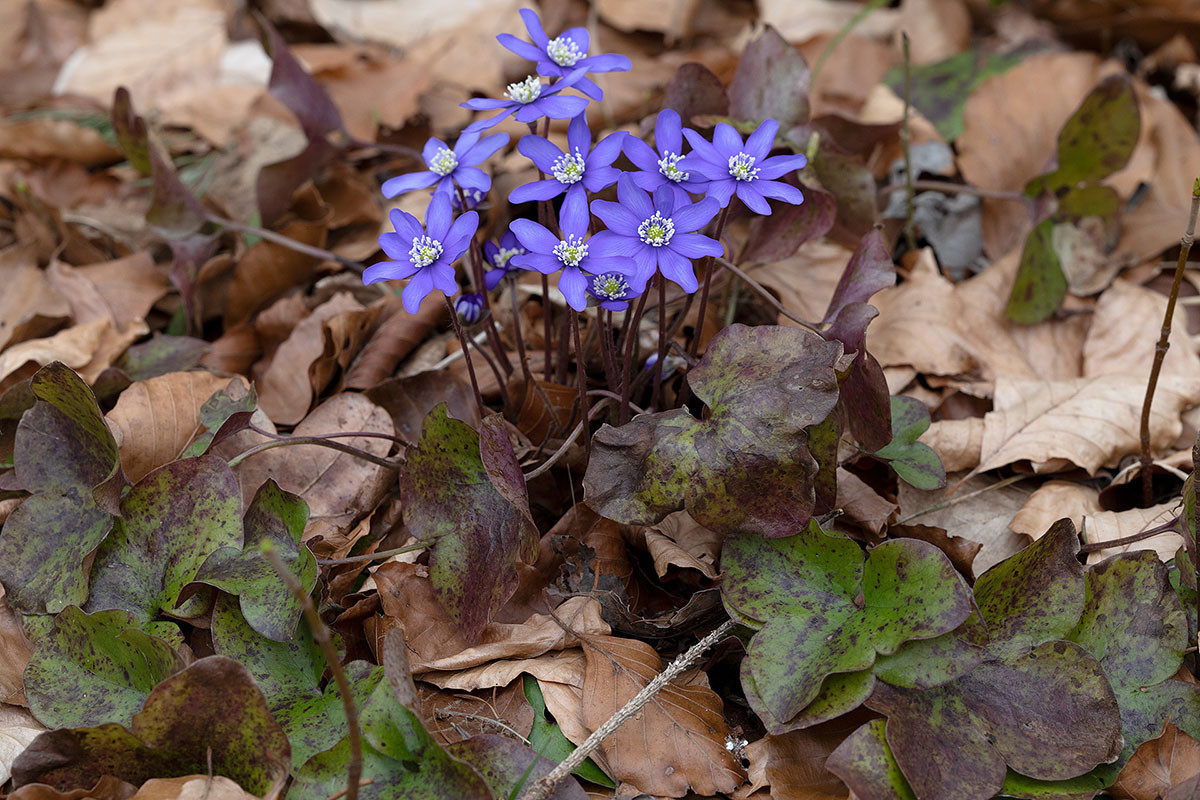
[(462, 340), (581, 380), (631, 337), (906, 140), (694, 347)]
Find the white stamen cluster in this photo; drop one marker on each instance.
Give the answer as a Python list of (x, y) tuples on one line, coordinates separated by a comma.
[(444, 162), (571, 251), (657, 230), (568, 168), (500, 260), (610, 286), (425, 251), (564, 51), (525, 91), (666, 165), (741, 167)]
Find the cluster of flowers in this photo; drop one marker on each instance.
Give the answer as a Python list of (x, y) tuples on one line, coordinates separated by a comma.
[(651, 230)]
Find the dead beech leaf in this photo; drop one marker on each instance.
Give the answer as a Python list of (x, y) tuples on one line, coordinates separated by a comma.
[(29, 306), (561, 666), (107, 788), (1124, 331), (397, 334), (958, 442), (74, 346), (15, 650), (1086, 422), (124, 290), (18, 729), (287, 387), (861, 504), (676, 742), (1054, 500), (1157, 765), (680, 541), (154, 420), (795, 762), (452, 716), (192, 787), (805, 282), (336, 486)]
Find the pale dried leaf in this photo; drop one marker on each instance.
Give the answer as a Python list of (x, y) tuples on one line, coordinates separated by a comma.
[(682, 542), (18, 729), (957, 441), (29, 306), (1125, 329), (74, 346), (560, 666), (192, 787), (861, 504)]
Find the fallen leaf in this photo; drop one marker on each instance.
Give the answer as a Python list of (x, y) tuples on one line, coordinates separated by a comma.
[(680, 541), (29, 306), (123, 290), (192, 787), (677, 742), (74, 347), (18, 729), (15, 650), (958, 442), (1125, 328)]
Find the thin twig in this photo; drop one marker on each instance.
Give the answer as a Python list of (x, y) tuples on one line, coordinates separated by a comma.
[(762, 292), (1133, 538), (286, 241), (1164, 342), (319, 441), (341, 435), (906, 140), (545, 785), (562, 448), (380, 555), (960, 498), (321, 634)]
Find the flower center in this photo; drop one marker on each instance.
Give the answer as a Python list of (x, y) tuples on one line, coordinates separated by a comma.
[(500, 260), (525, 91), (568, 168), (563, 51), (610, 286), (657, 230), (741, 167), (425, 251), (571, 251), (666, 165), (444, 162)]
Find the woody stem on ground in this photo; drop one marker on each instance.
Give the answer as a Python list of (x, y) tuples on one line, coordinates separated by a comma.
[(321, 634), (906, 140), (1164, 342), (544, 787), (320, 441), (462, 340)]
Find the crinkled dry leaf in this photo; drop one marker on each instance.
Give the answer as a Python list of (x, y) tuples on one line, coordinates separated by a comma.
[(1125, 327), (192, 787), (1157, 765), (680, 541)]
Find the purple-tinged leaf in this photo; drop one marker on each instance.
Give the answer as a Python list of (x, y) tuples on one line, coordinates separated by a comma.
[(1040, 285), (870, 270), (474, 512), (771, 82), (780, 235), (278, 182), (853, 184), (291, 84), (865, 763), (510, 767), (695, 90)]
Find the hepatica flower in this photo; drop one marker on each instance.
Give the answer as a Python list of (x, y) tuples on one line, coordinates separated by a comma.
[(469, 308), (571, 254), (580, 170), (658, 235), (731, 167), (424, 254), (499, 258), (448, 166), (563, 54), (530, 100), (662, 168)]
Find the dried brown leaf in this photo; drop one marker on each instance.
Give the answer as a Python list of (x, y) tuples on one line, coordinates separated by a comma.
[(680, 541), (397, 335), (1157, 765), (1125, 328), (192, 787), (18, 729), (29, 306), (15, 650)]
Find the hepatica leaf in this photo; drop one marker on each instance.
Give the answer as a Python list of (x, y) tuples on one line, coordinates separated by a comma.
[(866, 765), (1040, 284), (771, 82), (745, 468), (940, 90), (171, 521), (277, 517), (822, 607), (463, 490), (63, 452), (915, 462), (94, 668), (548, 741)]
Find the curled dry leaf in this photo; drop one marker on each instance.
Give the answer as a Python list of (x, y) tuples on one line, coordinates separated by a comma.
[(680, 541), (1056, 499), (192, 787), (397, 335), (74, 347), (124, 290), (30, 306), (1085, 422), (154, 420), (677, 742), (1157, 765)]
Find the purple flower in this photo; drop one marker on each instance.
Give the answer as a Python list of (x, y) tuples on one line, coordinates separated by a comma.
[(558, 56), (448, 167), (731, 166), (473, 197), (469, 308), (613, 290), (658, 235), (530, 100), (548, 254), (575, 172), (424, 254), (499, 257), (661, 168)]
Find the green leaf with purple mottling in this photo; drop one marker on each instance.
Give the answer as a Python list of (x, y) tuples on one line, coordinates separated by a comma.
[(916, 463)]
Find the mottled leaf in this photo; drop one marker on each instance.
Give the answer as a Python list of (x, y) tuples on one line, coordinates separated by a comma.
[(865, 763), (926, 663), (771, 82), (547, 740), (695, 90), (823, 608), (225, 413), (509, 767), (747, 466), (1049, 714), (171, 521), (1035, 595), (94, 668), (160, 355), (1084, 787), (464, 492), (864, 405), (63, 452), (840, 694), (207, 719), (940, 90), (852, 184), (277, 517), (915, 462), (1040, 285)]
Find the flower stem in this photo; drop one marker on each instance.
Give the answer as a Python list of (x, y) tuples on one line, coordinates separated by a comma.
[(517, 335), (462, 340), (1164, 342), (481, 286), (320, 441), (630, 342), (662, 341), (906, 140), (581, 380), (694, 349)]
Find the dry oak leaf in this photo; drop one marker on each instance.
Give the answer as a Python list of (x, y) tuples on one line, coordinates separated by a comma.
[(676, 742), (559, 666), (958, 442), (1157, 765), (1057, 499), (155, 420), (1085, 422), (680, 541), (1125, 327)]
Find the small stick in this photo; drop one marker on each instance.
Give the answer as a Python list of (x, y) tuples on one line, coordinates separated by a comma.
[(581, 380), (1164, 342), (342, 435), (321, 634), (320, 441), (462, 340), (906, 140), (545, 785), (286, 241), (762, 292), (562, 448)]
